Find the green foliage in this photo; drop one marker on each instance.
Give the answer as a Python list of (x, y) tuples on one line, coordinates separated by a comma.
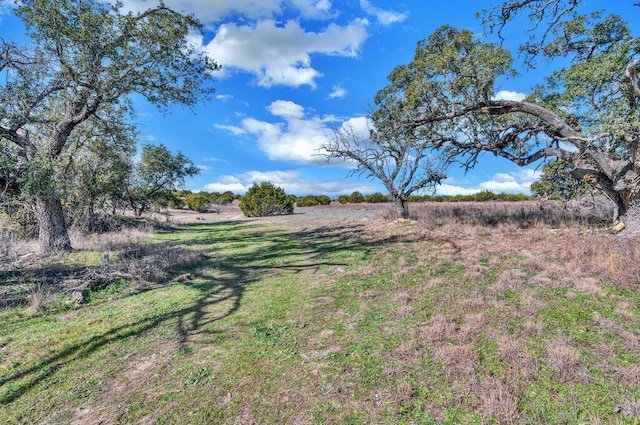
[(81, 63), (312, 200), (483, 196), (323, 199), (376, 198), (556, 181), (266, 199), (225, 198), (307, 201), (156, 176), (585, 113), (197, 202), (343, 199), (356, 198)]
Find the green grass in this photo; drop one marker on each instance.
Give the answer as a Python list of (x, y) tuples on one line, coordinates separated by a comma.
[(281, 326)]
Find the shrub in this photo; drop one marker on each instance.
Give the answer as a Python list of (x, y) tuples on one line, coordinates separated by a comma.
[(376, 198), (323, 199), (266, 199), (343, 199), (356, 198), (197, 202), (176, 200), (307, 201), (226, 198), (312, 200)]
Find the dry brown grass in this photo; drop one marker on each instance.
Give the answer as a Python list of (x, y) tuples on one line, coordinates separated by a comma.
[(455, 317), (41, 281)]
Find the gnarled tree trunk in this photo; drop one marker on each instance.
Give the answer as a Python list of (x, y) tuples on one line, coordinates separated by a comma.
[(402, 207), (52, 228)]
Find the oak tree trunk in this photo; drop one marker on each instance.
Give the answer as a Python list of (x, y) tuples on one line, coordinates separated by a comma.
[(402, 207), (630, 216), (52, 229)]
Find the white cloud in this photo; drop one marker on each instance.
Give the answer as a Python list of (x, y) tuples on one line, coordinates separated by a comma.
[(203, 167), (281, 54), (314, 8), (149, 138), (236, 131), (286, 109), (452, 190), (518, 181), (509, 95), (224, 97), (213, 159), (224, 183), (337, 92), (297, 138), (361, 126), (290, 180), (385, 17), (210, 11)]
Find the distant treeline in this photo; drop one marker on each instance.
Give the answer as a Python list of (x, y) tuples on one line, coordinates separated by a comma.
[(483, 196), (203, 201)]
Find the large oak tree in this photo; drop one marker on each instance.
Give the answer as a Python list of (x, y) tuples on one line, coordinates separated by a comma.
[(587, 112), (83, 61)]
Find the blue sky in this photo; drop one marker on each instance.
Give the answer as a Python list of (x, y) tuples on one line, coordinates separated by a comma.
[(295, 70)]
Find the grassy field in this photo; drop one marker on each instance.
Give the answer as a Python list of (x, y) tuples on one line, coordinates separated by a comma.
[(345, 323)]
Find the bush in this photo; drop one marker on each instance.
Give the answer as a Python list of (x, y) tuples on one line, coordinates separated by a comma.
[(343, 199), (266, 199), (323, 199), (313, 200), (197, 202), (356, 198), (376, 198), (307, 201)]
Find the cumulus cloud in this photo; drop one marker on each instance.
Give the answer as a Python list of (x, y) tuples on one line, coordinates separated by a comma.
[(281, 54), (518, 181), (509, 95), (210, 11), (360, 125), (290, 180), (224, 183), (224, 97), (453, 190), (385, 17), (286, 109), (296, 137)]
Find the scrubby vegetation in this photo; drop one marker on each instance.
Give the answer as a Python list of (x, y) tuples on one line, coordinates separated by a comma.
[(266, 199), (313, 200)]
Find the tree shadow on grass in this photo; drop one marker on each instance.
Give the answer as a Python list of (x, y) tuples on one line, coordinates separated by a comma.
[(237, 255)]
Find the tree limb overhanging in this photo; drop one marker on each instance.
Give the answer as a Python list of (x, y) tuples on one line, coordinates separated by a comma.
[(586, 114)]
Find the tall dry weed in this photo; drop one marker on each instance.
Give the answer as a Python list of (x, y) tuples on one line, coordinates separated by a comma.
[(523, 214), (613, 257)]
